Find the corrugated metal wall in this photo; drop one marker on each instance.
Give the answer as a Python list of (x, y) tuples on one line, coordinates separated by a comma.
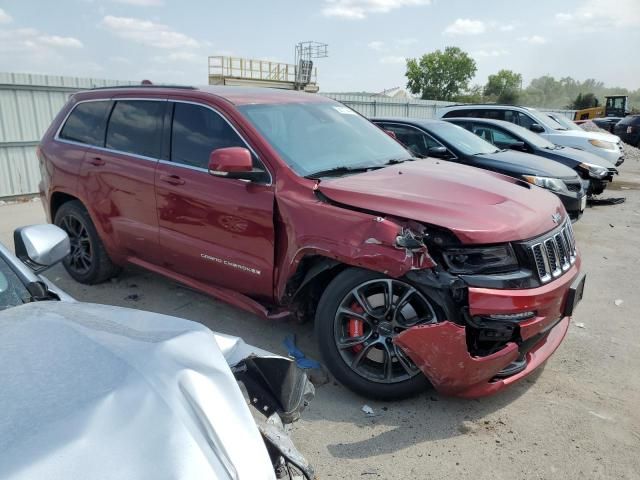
[(28, 104), (374, 106)]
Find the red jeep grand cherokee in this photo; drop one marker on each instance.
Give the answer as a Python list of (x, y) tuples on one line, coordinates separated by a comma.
[(288, 203)]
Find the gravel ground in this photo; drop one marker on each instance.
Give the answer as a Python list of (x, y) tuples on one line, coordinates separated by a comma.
[(577, 418)]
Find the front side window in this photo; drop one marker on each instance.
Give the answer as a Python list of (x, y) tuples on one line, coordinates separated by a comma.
[(524, 120), (461, 139), (86, 123), (12, 291), (493, 135), (416, 141), (197, 131), (135, 127), (313, 137)]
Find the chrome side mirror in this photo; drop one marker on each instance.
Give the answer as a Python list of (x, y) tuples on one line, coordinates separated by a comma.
[(41, 246)]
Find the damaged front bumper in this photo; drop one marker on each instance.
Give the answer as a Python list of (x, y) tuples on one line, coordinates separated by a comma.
[(458, 355)]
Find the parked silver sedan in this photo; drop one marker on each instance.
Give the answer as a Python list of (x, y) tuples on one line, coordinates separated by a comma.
[(102, 392)]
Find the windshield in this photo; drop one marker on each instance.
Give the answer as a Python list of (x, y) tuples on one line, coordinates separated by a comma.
[(12, 291), (317, 137), (564, 121), (461, 139), (546, 120)]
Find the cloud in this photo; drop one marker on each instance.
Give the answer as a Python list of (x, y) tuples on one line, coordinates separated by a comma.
[(534, 40), (141, 3), (595, 15), (506, 28), (56, 41), (175, 57), (490, 53), (29, 41), (392, 59), (359, 9), (377, 46), (466, 26), (147, 33), (5, 17)]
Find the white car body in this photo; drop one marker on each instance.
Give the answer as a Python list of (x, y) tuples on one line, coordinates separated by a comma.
[(106, 393), (553, 131)]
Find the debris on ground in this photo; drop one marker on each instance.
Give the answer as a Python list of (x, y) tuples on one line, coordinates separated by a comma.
[(467, 427), (134, 297), (294, 352), (579, 324), (368, 411), (618, 302), (606, 201)]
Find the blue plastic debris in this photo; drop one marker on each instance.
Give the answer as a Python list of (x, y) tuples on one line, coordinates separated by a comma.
[(294, 352)]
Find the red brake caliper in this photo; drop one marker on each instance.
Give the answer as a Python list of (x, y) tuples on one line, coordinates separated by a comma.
[(356, 326)]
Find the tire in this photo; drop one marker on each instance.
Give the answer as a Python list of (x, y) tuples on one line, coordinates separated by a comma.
[(377, 379), (88, 261)]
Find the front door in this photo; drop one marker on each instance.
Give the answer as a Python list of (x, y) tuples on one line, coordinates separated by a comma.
[(213, 229)]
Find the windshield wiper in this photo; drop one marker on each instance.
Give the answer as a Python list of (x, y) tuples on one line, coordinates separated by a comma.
[(395, 161), (337, 171)]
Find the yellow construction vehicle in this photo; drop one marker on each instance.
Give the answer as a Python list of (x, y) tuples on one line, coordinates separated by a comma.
[(615, 106)]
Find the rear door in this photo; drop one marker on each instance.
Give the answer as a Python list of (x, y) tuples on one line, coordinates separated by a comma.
[(213, 229), (118, 179)]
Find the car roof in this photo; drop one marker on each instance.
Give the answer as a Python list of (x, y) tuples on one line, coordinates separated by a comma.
[(232, 94), (410, 121), (499, 106), (488, 121)]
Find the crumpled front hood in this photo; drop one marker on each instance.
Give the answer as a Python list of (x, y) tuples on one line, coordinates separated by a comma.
[(476, 205), (581, 156), (566, 135), (100, 392), (516, 164)]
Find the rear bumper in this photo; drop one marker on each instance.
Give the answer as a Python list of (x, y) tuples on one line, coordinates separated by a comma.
[(441, 350)]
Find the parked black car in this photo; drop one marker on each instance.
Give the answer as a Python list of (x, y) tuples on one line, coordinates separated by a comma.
[(628, 129), (595, 171), (607, 123), (440, 139)]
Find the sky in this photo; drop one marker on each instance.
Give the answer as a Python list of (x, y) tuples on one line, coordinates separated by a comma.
[(368, 40)]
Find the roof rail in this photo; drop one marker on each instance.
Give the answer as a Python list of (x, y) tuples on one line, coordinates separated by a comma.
[(115, 87)]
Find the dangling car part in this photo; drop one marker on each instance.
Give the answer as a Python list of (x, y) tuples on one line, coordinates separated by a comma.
[(96, 391)]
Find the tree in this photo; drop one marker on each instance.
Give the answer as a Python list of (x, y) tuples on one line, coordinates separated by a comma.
[(587, 100), (504, 86), (472, 95), (440, 75)]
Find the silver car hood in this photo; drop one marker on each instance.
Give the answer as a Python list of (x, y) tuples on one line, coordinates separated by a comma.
[(101, 392)]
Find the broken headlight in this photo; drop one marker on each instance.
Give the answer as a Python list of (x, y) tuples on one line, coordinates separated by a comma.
[(497, 259)]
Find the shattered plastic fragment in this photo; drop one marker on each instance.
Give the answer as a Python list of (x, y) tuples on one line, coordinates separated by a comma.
[(618, 302), (368, 410)]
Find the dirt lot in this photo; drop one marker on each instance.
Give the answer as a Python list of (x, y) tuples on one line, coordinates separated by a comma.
[(579, 417)]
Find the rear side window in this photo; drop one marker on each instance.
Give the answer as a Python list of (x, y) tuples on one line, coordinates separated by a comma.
[(196, 132), (87, 123), (135, 127), (462, 113)]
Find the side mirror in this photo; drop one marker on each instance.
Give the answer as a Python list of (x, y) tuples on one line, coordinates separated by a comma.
[(520, 146), (41, 246), (230, 160), (439, 152), (537, 128), (235, 162)]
